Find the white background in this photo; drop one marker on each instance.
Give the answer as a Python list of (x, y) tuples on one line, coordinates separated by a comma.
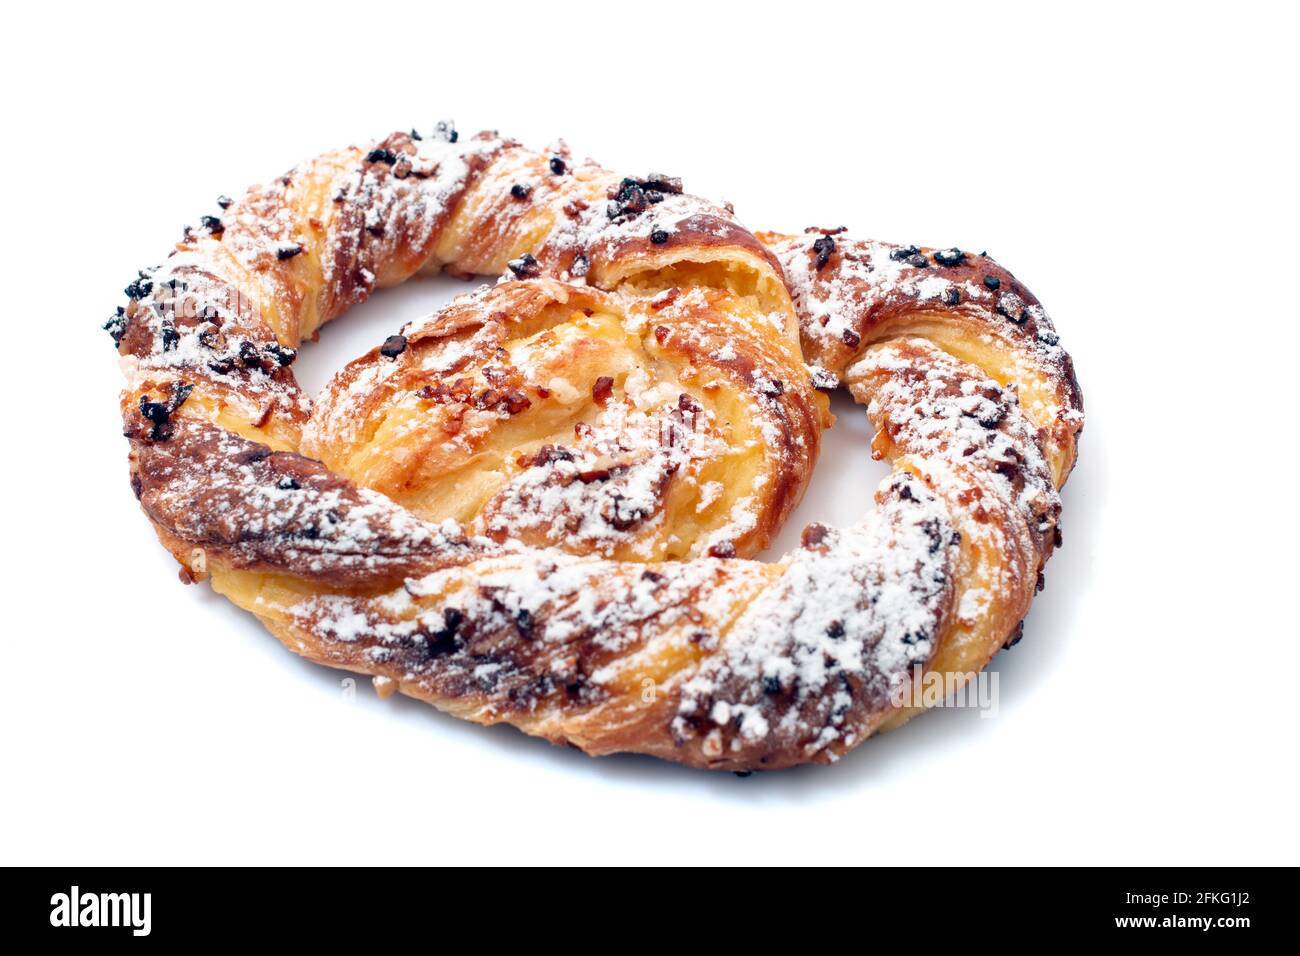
[(1137, 168)]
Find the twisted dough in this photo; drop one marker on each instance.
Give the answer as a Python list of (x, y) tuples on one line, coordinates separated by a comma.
[(548, 447)]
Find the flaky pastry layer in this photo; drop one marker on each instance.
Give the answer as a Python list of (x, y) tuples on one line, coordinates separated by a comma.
[(536, 506)]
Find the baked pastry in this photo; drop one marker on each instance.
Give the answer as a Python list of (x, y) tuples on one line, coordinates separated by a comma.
[(535, 506)]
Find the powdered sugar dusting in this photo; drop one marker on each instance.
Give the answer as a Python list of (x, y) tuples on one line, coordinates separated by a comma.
[(943, 410), (281, 510), (839, 291), (821, 649), (608, 488)]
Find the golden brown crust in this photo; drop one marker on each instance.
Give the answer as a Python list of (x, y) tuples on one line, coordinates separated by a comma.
[(585, 433), (851, 293), (252, 508), (565, 417)]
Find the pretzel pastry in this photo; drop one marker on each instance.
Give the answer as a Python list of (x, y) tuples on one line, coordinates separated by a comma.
[(536, 506)]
